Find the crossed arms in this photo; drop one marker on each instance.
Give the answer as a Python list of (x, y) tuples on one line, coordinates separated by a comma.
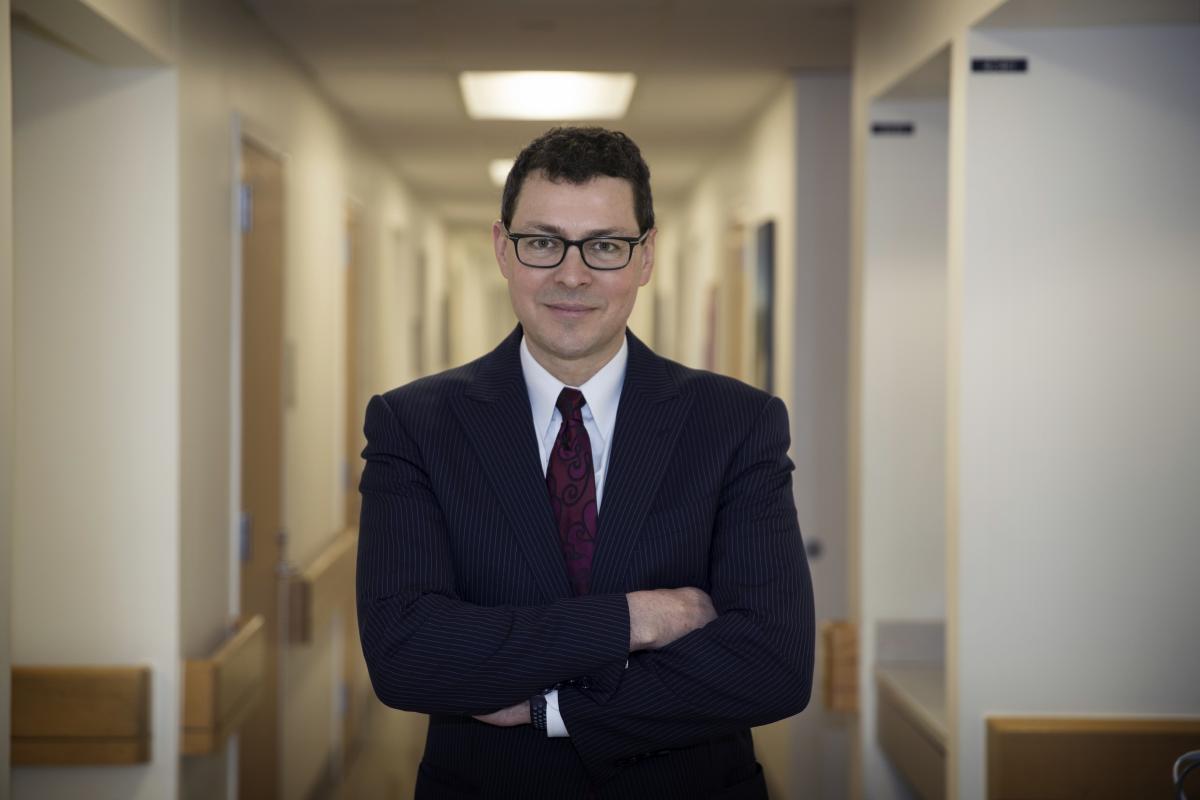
[(667, 668)]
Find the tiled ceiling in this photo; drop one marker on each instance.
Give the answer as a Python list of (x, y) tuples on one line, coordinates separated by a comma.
[(704, 68)]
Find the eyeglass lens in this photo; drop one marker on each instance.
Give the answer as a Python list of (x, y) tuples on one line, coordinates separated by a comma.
[(548, 251)]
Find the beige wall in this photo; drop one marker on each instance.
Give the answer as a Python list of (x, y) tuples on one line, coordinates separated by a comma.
[(6, 386), (753, 184), (117, 32), (893, 37), (664, 285), (433, 265), (150, 22), (95, 503), (388, 308), (791, 165), (481, 314), (234, 78), (389, 305)]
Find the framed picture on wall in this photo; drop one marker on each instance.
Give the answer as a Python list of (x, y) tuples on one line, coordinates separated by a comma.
[(733, 330), (764, 305)]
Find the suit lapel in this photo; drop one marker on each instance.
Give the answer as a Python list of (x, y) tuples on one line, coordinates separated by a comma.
[(494, 413), (649, 419)]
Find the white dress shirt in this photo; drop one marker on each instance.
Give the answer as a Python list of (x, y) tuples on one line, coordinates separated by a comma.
[(603, 393)]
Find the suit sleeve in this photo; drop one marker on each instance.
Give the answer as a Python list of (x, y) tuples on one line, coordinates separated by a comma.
[(750, 666), (426, 649)]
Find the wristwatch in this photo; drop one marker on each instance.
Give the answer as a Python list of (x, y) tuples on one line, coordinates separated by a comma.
[(537, 712)]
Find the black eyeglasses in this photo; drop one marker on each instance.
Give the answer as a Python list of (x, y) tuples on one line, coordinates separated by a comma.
[(544, 251)]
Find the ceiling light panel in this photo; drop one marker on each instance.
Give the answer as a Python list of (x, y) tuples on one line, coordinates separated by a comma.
[(557, 96), (499, 168)]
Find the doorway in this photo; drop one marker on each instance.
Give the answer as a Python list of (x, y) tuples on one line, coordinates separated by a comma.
[(262, 405)]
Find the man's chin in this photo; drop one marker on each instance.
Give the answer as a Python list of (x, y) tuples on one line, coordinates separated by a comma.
[(567, 345)]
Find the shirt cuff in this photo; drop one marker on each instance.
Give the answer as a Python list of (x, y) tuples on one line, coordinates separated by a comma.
[(555, 727)]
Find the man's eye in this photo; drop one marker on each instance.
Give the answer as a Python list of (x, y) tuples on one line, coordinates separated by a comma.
[(541, 244), (604, 247)]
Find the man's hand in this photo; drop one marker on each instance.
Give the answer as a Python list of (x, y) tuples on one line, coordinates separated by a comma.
[(660, 616), (507, 717)]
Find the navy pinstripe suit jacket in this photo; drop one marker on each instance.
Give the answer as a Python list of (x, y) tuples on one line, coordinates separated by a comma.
[(464, 605)]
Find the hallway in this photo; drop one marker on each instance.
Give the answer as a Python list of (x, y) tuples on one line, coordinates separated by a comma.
[(956, 240)]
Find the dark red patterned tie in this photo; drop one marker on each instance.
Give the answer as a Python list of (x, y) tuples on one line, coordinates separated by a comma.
[(572, 485)]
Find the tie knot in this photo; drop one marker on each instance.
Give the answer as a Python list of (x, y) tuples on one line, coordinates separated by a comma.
[(569, 402)]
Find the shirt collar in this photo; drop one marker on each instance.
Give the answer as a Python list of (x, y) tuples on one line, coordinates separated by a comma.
[(602, 391)]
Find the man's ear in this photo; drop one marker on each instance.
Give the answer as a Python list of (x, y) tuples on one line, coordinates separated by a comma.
[(500, 242), (646, 265)]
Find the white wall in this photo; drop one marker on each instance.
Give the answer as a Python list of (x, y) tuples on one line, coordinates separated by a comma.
[(6, 388), (95, 503), (819, 320), (819, 313), (892, 38), (1078, 447), (903, 395)]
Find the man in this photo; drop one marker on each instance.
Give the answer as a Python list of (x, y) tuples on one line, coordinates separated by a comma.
[(580, 559)]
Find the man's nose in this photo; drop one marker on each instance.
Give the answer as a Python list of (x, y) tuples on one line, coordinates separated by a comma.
[(572, 271)]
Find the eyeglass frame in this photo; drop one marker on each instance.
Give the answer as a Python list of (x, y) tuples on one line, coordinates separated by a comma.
[(515, 238)]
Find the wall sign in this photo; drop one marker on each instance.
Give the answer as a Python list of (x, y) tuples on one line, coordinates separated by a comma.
[(999, 65), (893, 128)]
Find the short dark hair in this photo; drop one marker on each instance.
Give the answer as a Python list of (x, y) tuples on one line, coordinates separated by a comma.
[(577, 155)]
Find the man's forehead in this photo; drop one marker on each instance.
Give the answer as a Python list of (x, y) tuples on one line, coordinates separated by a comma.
[(560, 198)]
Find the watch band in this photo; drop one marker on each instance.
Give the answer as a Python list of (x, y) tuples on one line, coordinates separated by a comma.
[(537, 712)]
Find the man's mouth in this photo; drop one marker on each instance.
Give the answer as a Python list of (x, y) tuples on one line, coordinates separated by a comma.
[(569, 308)]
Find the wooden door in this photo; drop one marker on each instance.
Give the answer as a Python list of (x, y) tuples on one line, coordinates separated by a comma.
[(262, 450)]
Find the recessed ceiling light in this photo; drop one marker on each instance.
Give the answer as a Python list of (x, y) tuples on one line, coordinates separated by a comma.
[(547, 95), (499, 169)]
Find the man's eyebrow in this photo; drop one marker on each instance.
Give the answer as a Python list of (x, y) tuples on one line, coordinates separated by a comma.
[(555, 230), (543, 227)]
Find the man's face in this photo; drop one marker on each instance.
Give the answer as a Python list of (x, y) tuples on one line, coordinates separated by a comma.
[(572, 314)]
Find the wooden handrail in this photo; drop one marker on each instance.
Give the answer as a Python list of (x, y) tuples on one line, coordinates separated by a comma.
[(220, 691), (80, 715), (1094, 757), (910, 724), (839, 647), (330, 574)]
